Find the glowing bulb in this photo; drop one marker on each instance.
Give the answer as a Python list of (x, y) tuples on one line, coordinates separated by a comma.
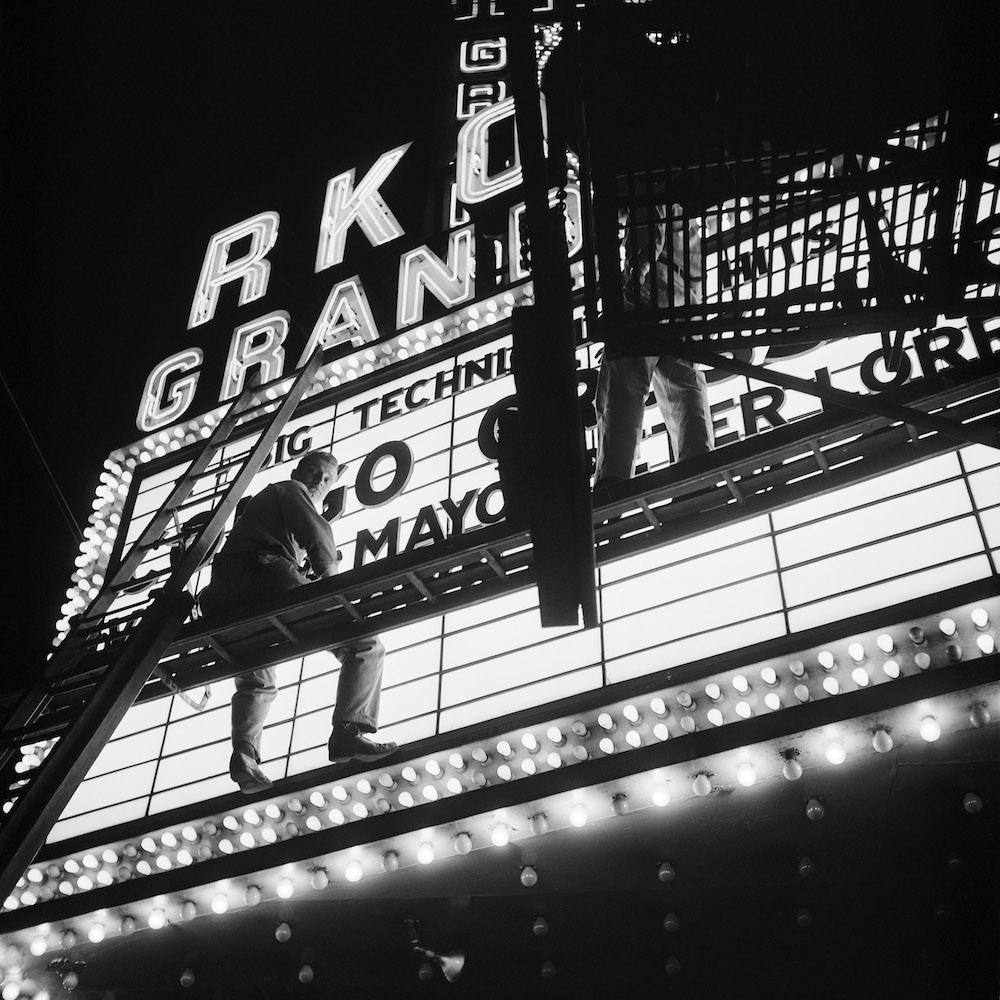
[(578, 815), (658, 706), (885, 643), (425, 853), (554, 733), (500, 835), (713, 691), (891, 669), (529, 742), (631, 713), (856, 652), (353, 871), (980, 617), (715, 717), (39, 946), (835, 754), (986, 644), (746, 775), (772, 701), (285, 888), (860, 676), (741, 684), (947, 626), (156, 919), (606, 722), (769, 676), (661, 732), (831, 685), (929, 729), (220, 903), (607, 745), (660, 794), (826, 660)]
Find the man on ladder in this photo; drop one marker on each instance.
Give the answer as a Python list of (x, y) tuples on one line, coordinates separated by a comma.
[(279, 529)]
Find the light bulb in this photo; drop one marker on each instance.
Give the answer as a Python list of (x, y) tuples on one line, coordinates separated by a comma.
[(882, 741), (353, 871), (885, 643), (891, 669), (860, 676), (283, 933), (578, 815), (463, 843), (702, 785), (929, 729), (746, 775), (220, 903), (156, 919), (835, 754), (660, 794), (980, 617), (529, 876), (285, 888), (815, 810), (320, 879), (947, 626), (425, 853), (666, 872), (986, 644), (826, 660), (500, 835), (741, 684)]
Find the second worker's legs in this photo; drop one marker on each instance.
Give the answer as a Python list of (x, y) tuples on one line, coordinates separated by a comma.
[(681, 393), (622, 387), (358, 693)]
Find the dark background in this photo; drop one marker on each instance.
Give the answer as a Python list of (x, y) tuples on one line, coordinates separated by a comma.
[(134, 134)]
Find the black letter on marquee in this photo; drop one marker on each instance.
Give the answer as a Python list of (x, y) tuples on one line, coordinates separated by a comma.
[(456, 511), (388, 537), (872, 381), (488, 426), (928, 353), (426, 528), (752, 413), (482, 503), (401, 455)]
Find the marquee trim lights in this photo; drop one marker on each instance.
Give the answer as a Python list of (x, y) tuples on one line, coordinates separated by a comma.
[(678, 703), (404, 841)]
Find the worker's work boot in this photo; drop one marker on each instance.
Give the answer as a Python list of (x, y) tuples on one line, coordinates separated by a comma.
[(349, 743), (244, 771)]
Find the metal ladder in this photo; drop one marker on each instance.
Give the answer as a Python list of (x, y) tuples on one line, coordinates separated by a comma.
[(102, 665)]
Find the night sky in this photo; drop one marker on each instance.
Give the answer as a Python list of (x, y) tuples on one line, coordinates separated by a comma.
[(133, 134)]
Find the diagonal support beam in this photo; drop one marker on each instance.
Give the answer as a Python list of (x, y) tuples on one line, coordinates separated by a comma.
[(879, 405)]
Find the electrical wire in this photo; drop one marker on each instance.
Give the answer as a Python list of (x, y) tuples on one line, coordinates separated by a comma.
[(49, 478)]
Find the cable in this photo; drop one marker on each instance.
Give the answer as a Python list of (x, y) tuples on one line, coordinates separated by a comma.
[(53, 485)]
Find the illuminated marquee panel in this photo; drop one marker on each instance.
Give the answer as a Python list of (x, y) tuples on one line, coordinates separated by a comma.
[(719, 694), (919, 529)]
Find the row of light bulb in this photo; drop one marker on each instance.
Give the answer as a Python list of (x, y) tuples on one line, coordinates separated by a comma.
[(536, 758)]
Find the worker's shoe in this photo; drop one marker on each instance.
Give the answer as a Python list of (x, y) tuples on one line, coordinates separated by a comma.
[(349, 743), (244, 771)]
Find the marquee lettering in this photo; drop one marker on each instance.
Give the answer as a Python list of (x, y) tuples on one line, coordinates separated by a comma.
[(166, 397), (346, 204), (251, 270), (256, 343)]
